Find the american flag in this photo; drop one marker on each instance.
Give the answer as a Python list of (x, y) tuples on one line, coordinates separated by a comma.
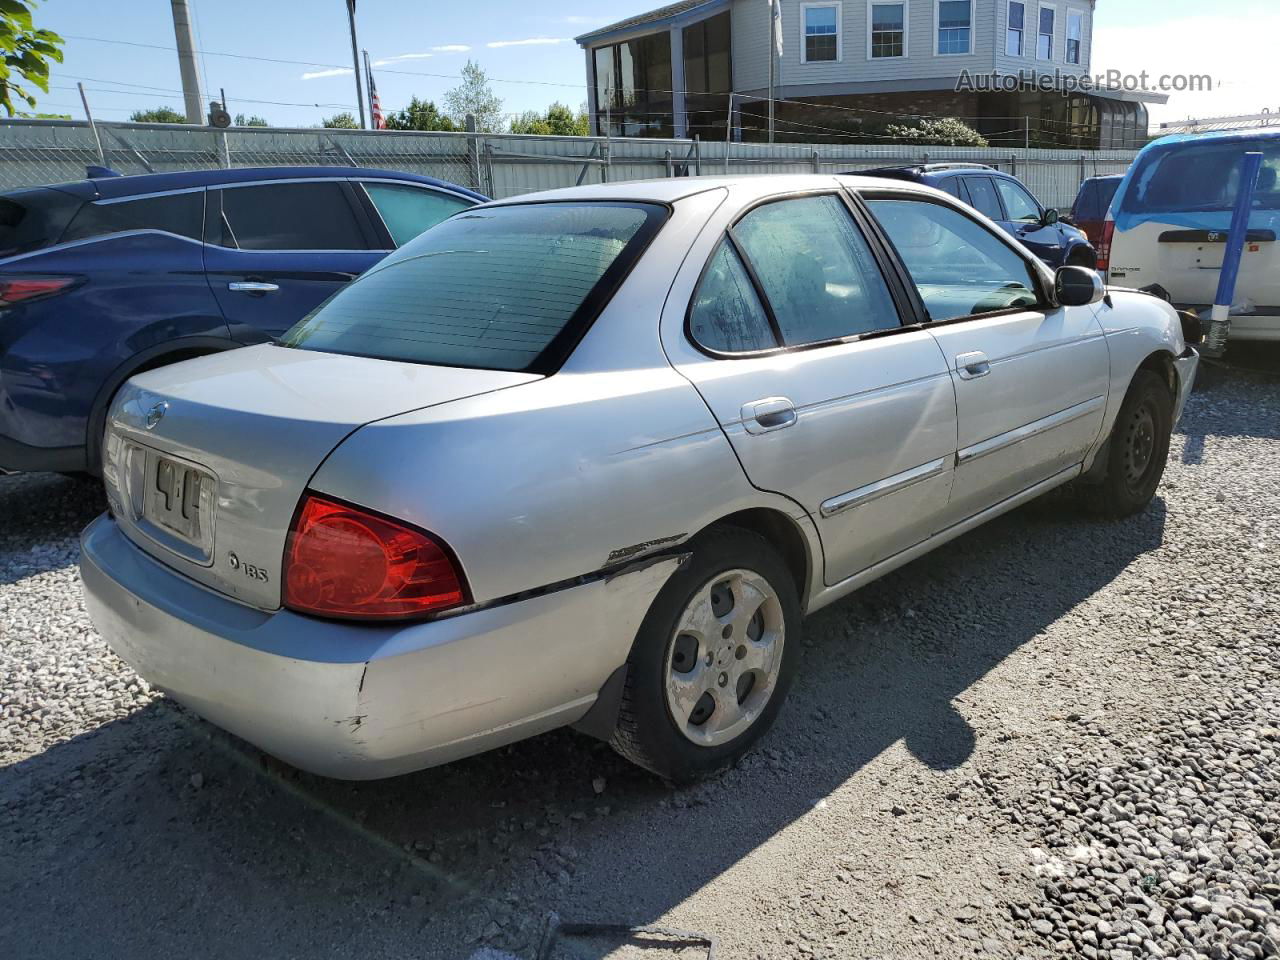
[(375, 105)]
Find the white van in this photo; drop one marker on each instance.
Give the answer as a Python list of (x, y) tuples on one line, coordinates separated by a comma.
[(1169, 220)]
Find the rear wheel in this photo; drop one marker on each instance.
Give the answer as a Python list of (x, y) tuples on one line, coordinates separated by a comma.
[(1138, 448), (713, 660)]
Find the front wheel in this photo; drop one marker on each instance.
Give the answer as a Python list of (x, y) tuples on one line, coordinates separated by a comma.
[(1138, 448), (713, 660)]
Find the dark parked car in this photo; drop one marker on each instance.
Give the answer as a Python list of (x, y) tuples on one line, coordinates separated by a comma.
[(1004, 199), (1089, 212), (103, 278)]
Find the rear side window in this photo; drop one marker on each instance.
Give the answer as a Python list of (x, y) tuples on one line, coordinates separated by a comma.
[(501, 288), (952, 186), (982, 197), (1203, 176), (407, 211), (31, 219), (289, 216), (816, 270), (180, 213), (726, 314)]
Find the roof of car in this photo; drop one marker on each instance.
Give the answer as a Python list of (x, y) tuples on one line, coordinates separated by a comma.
[(135, 185), (678, 188)]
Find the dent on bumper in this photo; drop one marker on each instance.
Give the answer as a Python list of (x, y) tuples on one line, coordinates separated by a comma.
[(357, 701)]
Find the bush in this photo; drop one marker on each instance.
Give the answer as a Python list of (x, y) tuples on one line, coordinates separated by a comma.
[(947, 132)]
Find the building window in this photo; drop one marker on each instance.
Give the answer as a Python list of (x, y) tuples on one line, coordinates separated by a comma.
[(633, 87), (1014, 36), (955, 26), (707, 75), (821, 40), (1075, 34), (888, 30), (1044, 44)]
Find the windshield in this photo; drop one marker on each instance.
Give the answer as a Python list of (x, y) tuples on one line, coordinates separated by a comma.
[(500, 288), (1201, 176)]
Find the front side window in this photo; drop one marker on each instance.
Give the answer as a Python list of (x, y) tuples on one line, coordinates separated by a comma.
[(180, 213), (955, 26), (1014, 42), (288, 216), (983, 198), (959, 267), (821, 32), (499, 288), (726, 314), (888, 30), (1019, 204), (407, 211), (815, 268), (1044, 43), (1075, 35)]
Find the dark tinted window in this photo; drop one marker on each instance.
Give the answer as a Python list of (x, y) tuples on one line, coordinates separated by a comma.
[(493, 287), (952, 186), (959, 266), (982, 197), (1106, 193), (31, 219), (289, 216), (1086, 205), (180, 213), (726, 314), (820, 276)]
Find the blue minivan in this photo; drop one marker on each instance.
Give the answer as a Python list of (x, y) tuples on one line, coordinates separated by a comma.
[(104, 278), (1003, 198)]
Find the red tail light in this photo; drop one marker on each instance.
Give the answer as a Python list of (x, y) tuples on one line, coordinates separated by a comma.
[(343, 561), (1104, 248), (17, 289)]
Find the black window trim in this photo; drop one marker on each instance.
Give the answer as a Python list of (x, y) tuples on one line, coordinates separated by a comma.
[(214, 218), (901, 297), (1044, 295)]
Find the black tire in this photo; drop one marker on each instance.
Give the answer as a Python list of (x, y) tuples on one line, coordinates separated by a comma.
[(647, 733), (1083, 257), (1137, 449)]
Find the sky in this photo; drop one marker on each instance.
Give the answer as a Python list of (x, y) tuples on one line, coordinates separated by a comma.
[(419, 47)]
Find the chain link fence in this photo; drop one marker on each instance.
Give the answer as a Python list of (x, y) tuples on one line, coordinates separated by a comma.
[(34, 152)]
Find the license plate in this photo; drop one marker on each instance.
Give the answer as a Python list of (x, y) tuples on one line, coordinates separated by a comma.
[(173, 502)]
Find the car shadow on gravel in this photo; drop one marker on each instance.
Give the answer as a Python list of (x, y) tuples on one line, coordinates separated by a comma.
[(481, 850), (41, 516)]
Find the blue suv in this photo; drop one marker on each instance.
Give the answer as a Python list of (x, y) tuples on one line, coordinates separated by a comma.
[(1003, 198), (104, 278)]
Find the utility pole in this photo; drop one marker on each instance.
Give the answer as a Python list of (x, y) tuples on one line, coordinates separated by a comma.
[(355, 60), (773, 41), (192, 95)]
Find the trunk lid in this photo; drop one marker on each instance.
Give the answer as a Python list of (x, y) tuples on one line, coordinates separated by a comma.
[(205, 461)]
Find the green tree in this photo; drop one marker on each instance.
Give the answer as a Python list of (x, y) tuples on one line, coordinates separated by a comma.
[(559, 120), (157, 115), (340, 121), (253, 121), (27, 51), (419, 115), (474, 95), (945, 131)]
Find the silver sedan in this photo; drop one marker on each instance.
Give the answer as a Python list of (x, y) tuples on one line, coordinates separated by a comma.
[(588, 457)]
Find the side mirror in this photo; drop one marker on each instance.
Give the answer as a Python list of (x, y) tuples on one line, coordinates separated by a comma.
[(1078, 286), (1050, 217)]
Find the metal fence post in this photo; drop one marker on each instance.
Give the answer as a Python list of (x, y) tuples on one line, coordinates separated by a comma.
[(817, 163), (488, 169), (224, 152), (1083, 161), (697, 155), (606, 154), (671, 167), (473, 152), (1013, 164)]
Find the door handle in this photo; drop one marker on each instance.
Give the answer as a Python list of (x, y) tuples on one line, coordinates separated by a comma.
[(970, 366), (765, 416), (252, 286)]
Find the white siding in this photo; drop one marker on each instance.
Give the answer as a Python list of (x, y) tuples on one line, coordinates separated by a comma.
[(1028, 61)]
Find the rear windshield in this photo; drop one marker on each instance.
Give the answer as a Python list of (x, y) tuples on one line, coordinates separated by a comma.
[(1201, 176), (31, 219), (501, 288)]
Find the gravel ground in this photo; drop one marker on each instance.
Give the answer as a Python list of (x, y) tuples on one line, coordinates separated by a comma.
[(1053, 737)]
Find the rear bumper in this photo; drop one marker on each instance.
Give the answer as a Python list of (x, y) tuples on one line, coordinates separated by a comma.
[(356, 701), (1186, 366)]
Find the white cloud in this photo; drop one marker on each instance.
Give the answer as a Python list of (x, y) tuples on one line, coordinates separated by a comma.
[(335, 72), (399, 58), (530, 42), (452, 48), (1243, 72), (580, 20)]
